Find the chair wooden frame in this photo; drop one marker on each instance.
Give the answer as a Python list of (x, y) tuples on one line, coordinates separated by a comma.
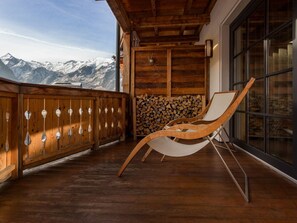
[(200, 131), (204, 117)]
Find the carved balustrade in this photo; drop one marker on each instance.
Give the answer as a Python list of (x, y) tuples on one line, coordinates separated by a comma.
[(42, 123)]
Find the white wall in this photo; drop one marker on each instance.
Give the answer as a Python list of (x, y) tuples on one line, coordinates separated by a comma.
[(222, 15)]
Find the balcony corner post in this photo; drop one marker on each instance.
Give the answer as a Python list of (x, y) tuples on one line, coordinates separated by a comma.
[(20, 136), (96, 123), (123, 136)]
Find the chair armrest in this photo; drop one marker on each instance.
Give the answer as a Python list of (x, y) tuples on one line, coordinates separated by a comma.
[(182, 120)]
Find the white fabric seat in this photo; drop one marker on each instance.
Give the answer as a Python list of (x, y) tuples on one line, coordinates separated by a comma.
[(216, 107)]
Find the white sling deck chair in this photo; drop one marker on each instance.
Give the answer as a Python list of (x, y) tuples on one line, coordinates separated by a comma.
[(161, 141), (215, 108)]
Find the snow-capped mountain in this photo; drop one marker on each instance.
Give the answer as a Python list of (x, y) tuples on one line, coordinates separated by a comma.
[(6, 72), (19, 67), (98, 73)]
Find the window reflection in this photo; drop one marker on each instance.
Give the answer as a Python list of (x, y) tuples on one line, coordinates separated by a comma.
[(241, 106), (280, 50), (256, 132), (280, 12), (239, 38), (280, 140), (256, 24), (240, 68), (240, 126), (256, 60), (263, 49), (280, 99), (257, 97)]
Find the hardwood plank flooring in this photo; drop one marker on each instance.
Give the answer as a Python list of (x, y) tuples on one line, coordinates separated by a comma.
[(190, 189)]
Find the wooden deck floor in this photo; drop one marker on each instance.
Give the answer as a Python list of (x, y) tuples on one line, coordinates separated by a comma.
[(191, 189)]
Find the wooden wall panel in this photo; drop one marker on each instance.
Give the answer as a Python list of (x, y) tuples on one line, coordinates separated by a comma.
[(174, 71), (188, 71), (151, 78)]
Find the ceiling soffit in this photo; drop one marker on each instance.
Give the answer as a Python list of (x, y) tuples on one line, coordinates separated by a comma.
[(159, 22)]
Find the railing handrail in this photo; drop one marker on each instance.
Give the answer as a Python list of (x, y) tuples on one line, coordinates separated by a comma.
[(26, 88), (106, 122)]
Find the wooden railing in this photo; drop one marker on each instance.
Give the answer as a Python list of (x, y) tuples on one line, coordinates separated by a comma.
[(42, 123)]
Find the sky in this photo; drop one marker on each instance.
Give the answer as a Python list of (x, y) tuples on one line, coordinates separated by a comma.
[(57, 30)]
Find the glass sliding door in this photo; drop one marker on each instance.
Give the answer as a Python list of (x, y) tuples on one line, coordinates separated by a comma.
[(261, 47)]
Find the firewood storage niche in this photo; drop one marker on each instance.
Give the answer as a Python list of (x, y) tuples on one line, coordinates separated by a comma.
[(167, 83)]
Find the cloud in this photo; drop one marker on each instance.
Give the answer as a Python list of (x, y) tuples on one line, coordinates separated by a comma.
[(3, 32), (56, 30), (30, 48), (68, 11)]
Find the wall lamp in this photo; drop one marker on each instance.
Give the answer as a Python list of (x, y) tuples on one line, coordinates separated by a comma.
[(208, 48), (151, 60)]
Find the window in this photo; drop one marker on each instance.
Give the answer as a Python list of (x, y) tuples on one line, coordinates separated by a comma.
[(68, 43), (262, 39)]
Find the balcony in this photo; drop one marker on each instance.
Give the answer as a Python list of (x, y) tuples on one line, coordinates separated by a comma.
[(85, 188), (77, 128)]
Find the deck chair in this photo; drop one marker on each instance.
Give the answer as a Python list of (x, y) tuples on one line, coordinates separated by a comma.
[(162, 142), (215, 108)]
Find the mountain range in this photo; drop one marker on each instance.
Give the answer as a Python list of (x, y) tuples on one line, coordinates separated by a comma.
[(98, 73)]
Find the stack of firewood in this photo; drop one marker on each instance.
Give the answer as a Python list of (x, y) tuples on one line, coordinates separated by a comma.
[(153, 112)]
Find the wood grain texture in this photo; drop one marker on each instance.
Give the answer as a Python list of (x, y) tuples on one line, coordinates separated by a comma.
[(169, 61), (174, 71), (189, 189), (118, 9), (163, 22), (6, 172), (87, 130), (8, 143), (39, 152), (8, 87), (126, 63)]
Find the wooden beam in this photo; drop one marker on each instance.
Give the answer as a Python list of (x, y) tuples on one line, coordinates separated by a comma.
[(164, 48), (124, 108), (126, 62), (96, 122), (169, 39), (154, 10), (120, 13), (208, 9), (20, 134), (187, 8), (169, 66), (198, 30), (134, 117), (166, 21), (133, 74), (135, 39), (210, 6)]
